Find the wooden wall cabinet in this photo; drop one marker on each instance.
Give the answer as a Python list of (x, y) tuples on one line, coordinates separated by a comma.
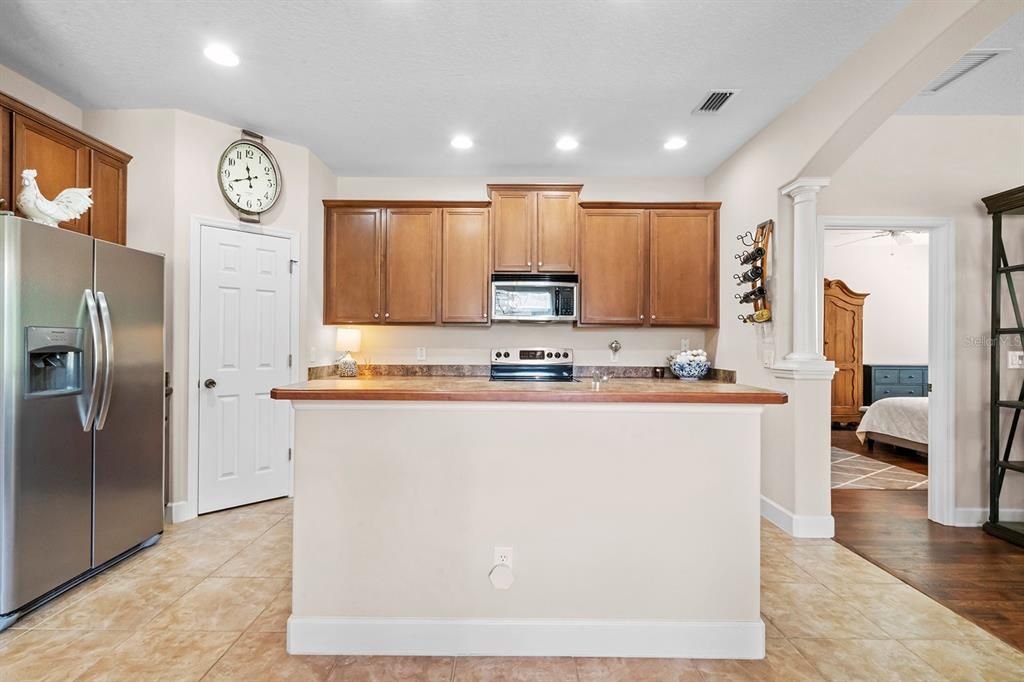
[(383, 261), (649, 264), (64, 157), (466, 265), (534, 227), (684, 267), (353, 257), (410, 265), (613, 268), (844, 345)]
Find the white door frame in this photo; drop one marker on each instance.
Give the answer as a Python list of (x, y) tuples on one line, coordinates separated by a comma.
[(941, 347), (194, 293)]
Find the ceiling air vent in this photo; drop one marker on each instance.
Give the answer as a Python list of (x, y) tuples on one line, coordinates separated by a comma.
[(963, 66), (714, 101)]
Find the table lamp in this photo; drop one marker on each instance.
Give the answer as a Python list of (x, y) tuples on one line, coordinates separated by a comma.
[(348, 341)]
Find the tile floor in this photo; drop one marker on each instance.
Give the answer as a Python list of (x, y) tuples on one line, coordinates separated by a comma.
[(210, 602), (850, 470)]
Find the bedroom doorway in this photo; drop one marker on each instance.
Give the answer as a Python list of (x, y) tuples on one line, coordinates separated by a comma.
[(888, 326)]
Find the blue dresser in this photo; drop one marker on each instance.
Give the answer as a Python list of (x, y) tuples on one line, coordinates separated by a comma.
[(889, 381)]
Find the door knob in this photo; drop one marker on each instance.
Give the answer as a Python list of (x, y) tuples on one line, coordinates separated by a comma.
[(210, 383)]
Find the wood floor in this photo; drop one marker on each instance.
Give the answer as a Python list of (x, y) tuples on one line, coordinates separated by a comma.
[(974, 574), (847, 440)]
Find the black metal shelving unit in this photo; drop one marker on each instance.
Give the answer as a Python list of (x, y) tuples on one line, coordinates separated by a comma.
[(1010, 202)]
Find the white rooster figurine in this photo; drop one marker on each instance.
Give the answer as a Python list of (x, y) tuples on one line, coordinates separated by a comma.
[(69, 204)]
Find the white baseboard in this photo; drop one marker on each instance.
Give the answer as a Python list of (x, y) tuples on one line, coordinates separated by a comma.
[(976, 516), (797, 526), (176, 512), (534, 637)]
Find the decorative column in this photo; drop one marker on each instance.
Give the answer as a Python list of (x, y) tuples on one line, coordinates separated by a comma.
[(808, 273), (806, 376)]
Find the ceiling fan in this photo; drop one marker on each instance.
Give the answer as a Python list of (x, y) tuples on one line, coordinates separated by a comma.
[(899, 237)]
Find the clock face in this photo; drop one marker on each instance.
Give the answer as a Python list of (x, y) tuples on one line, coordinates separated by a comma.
[(249, 176)]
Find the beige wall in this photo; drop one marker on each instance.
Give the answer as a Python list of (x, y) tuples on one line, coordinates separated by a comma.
[(471, 344), (19, 87), (941, 166), (896, 279), (172, 178)]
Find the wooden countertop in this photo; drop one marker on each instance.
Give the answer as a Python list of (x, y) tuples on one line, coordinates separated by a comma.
[(482, 389)]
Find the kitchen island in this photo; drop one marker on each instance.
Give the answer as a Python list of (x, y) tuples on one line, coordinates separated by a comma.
[(630, 515)]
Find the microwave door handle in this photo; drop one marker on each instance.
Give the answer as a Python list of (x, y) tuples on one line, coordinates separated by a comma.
[(558, 297), (108, 360), (97, 355)]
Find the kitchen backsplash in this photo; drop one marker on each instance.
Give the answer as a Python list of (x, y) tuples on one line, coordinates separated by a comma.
[(482, 370)]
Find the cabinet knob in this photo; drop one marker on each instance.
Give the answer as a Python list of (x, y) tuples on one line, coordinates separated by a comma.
[(641, 316), (376, 315), (653, 317), (387, 315), (540, 263), (485, 316)]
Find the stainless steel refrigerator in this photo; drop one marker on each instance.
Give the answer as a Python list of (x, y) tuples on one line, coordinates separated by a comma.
[(81, 408)]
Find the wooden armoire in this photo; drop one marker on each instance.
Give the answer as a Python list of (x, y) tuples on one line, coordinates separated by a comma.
[(844, 345)]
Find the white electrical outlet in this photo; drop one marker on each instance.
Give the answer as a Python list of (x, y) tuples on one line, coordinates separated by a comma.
[(768, 358), (684, 344), (1015, 359), (503, 555), (312, 354), (421, 353)]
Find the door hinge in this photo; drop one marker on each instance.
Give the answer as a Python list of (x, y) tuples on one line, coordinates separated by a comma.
[(289, 454), (289, 359), (291, 266)]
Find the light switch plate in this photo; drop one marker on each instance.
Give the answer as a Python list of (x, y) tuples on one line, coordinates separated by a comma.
[(1015, 359)]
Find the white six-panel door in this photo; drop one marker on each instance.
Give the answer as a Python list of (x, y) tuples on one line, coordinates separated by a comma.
[(245, 318)]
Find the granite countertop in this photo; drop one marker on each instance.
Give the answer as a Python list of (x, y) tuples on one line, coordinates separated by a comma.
[(443, 388)]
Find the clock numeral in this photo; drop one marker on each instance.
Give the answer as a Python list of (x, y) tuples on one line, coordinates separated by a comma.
[(266, 195), (266, 169), (238, 154), (249, 154), (238, 197), (226, 173), (231, 162)]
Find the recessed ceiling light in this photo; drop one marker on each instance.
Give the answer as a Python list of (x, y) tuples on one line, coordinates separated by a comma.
[(566, 143), (462, 142), (675, 143), (221, 54)]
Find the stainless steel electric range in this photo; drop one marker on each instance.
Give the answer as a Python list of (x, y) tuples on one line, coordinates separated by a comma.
[(531, 364)]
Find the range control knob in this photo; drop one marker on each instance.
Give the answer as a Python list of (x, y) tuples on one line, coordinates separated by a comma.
[(549, 354), (505, 354), (497, 355), (558, 355)]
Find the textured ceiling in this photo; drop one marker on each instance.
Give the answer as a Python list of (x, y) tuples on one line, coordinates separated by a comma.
[(378, 87), (996, 87)]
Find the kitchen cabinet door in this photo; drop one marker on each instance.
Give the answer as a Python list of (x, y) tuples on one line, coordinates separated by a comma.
[(110, 198), (61, 160), (6, 161), (410, 270), (684, 267), (556, 231), (515, 216), (613, 266), (353, 242), (466, 265)]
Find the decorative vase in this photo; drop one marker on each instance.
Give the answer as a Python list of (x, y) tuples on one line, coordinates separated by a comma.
[(691, 365)]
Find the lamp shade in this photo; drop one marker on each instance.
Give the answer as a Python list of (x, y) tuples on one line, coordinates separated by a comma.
[(348, 340)]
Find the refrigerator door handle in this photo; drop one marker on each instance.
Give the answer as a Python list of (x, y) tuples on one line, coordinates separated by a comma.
[(97, 354), (108, 360)]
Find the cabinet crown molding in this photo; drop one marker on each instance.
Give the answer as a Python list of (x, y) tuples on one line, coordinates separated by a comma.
[(28, 111), (669, 205), (533, 187), (402, 203)]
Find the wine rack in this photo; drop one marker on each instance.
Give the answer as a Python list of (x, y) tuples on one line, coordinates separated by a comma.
[(754, 260)]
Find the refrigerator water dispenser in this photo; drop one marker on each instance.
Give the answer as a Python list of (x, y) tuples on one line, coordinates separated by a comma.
[(54, 361)]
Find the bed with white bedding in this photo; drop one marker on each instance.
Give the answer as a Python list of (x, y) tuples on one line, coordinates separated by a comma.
[(897, 421)]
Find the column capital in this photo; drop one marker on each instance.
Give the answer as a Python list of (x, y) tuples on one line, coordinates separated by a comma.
[(804, 185)]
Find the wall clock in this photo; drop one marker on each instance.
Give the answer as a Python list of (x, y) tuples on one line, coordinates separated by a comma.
[(249, 177)]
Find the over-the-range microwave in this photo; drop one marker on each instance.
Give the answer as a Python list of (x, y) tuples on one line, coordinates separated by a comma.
[(534, 297)]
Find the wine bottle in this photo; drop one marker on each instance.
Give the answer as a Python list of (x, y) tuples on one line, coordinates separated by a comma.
[(751, 275), (748, 257), (752, 295)]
